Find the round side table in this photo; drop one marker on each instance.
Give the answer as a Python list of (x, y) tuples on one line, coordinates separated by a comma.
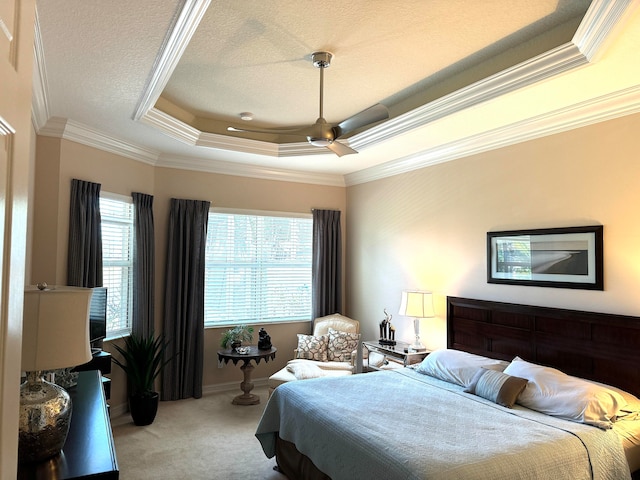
[(255, 354)]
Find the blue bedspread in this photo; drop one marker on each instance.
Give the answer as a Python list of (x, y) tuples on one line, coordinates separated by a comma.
[(404, 425)]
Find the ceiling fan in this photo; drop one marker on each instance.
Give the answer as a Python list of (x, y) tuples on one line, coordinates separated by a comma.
[(321, 133)]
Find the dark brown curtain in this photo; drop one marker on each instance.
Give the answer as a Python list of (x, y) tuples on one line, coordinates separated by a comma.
[(183, 324), (84, 261), (327, 263), (143, 265)]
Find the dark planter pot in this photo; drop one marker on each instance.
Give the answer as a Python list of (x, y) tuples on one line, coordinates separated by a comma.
[(143, 408)]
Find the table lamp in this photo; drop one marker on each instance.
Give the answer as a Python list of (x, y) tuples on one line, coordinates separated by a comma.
[(55, 334), (417, 305)]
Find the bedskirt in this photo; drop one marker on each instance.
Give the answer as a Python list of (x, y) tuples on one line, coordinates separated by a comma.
[(294, 464)]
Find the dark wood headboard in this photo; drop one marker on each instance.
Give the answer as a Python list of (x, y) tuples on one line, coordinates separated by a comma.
[(598, 346)]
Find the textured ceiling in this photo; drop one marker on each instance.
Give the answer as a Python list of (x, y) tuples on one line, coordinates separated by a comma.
[(255, 56), (161, 81)]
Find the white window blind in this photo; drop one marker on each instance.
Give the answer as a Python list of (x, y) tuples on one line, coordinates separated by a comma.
[(258, 268), (117, 263)]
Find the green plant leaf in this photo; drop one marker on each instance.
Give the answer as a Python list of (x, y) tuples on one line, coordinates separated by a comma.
[(143, 359)]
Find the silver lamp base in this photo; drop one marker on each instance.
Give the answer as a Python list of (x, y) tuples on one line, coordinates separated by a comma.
[(45, 415)]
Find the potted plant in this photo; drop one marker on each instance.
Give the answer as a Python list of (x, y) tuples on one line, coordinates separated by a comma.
[(234, 337), (143, 358)]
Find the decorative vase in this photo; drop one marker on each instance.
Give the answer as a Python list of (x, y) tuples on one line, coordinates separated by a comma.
[(143, 408), (235, 344)]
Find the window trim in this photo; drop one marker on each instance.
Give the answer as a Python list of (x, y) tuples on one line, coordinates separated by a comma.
[(123, 332), (264, 213)]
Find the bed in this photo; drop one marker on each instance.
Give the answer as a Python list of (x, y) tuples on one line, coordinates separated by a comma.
[(405, 424)]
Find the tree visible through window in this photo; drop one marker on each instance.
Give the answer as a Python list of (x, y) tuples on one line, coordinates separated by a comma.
[(117, 262), (258, 268)]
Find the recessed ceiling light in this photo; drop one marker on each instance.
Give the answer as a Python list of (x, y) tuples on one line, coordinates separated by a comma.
[(246, 116)]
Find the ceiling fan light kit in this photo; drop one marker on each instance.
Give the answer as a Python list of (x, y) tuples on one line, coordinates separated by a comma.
[(321, 133)]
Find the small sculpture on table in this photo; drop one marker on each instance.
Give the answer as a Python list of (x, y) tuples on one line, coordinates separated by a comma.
[(264, 340), (387, 330)]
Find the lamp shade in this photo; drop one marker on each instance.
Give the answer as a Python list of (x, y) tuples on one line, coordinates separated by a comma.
[(416, 304), (55, 328)]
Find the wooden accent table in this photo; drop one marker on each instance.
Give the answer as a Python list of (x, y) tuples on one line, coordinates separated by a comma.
[(247, 398)]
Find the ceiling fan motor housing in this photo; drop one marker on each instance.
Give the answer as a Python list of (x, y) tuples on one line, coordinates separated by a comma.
[(322, 134)]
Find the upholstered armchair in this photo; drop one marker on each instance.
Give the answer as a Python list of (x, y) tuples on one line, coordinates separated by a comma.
[(333, 349)]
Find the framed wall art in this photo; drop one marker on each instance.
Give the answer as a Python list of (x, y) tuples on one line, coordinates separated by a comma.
[(549, 257)]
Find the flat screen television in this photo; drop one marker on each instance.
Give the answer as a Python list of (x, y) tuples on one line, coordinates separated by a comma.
[(98, 318)]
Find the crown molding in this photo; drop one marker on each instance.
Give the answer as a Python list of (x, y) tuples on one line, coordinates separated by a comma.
[(599, 21), (76, 132), (184, 132), (79, 133), (253, 171), (171, 126), (608, 107), (184, 27), (6, 128), (227, 142), (561, 59)]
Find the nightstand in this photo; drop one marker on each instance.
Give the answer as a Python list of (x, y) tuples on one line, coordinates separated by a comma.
[(399, 353)]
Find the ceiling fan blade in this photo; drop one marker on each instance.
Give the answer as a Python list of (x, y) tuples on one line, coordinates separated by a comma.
[(340, 149), (366, 117)]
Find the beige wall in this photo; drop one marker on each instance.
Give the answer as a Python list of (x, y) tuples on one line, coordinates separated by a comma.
[(427, 229), (58, 161), (226, 191)]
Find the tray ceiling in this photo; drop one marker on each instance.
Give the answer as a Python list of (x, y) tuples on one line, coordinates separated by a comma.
[(162, 81)]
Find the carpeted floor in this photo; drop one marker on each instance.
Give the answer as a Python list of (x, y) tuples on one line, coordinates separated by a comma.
[(208, 438)]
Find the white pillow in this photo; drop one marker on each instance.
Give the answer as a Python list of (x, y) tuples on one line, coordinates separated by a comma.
[(555, 393), (456, 366), (632, 403)]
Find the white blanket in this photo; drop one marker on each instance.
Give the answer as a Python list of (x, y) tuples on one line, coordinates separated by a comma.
[(403, 425), (305, 369)]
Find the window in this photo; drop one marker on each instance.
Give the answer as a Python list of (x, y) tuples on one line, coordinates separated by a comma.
[(258, 268), (117, 262)]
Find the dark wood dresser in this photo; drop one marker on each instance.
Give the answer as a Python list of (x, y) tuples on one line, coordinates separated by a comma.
[(89, 451)]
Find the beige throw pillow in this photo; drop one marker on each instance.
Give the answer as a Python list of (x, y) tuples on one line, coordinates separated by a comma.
[(312, 348), (341, 345), (496, 386)]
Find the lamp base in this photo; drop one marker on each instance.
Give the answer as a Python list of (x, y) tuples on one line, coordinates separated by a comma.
[(45, 415), (417, 346)]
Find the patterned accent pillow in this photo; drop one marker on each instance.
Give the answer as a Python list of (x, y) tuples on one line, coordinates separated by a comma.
[(341, 345), (312, 348), (496, 386)]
